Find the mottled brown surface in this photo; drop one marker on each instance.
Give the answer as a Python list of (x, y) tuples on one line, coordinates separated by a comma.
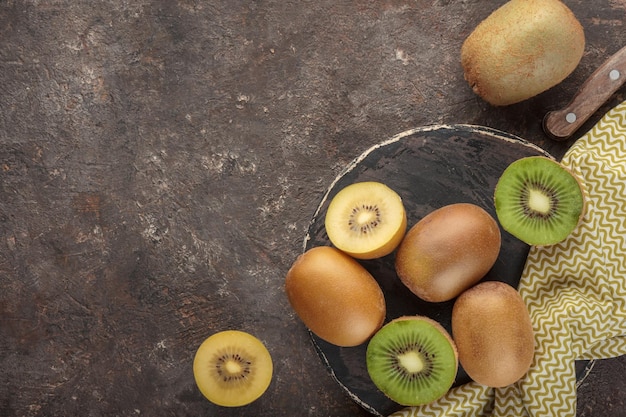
[(159, 164)]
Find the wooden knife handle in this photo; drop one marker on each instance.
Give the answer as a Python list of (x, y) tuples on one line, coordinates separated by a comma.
[(606, 80)]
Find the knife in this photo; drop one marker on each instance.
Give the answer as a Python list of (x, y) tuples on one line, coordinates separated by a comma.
[(606, 80)]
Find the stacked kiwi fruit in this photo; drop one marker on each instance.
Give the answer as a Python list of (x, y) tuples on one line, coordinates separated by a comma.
[(444, 256)]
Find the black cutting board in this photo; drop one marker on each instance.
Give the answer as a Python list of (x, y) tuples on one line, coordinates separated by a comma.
[(428, 167)]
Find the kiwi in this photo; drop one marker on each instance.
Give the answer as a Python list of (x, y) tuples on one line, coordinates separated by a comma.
[(366, 220), (335, 296), (412, 360), (448, 251), (523, 48), (493, 333), (232, 368), (539, 201)]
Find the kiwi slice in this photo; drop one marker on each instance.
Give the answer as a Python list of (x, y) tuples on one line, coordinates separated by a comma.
[(232, 368), (366, 220), (412, 360), (539, 201)]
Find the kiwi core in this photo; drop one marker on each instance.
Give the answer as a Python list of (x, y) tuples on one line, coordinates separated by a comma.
[(539, 203), (232, 367), (411, 361), (364, 219), (231, 370)]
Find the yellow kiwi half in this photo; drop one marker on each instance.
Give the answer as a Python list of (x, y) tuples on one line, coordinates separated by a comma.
[(232, 368), (366, 220)]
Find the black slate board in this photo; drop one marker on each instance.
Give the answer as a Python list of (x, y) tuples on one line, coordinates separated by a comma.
[(429, 167)]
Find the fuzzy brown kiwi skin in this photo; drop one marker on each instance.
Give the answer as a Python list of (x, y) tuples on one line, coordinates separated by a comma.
[(493, 333), (447, 251), (522, 49), (335, 296)]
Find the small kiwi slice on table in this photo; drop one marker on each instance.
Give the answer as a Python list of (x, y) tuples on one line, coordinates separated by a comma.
[(232, 368), (539, 201), (366, 220), (412, 360)]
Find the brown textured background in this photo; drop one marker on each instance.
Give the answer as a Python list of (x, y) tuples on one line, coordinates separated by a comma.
[(159, 165)]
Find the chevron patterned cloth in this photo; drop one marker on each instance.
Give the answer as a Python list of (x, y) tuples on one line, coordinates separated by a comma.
[(575, 292)]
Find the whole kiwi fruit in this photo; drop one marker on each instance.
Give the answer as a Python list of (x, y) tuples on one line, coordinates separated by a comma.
[(335, 296), (522, 49), (447, 251), (493, 333)]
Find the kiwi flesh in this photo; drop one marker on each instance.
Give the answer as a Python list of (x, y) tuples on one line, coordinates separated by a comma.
[(366, 220), (412, 360), (539, 201), (232, 368)]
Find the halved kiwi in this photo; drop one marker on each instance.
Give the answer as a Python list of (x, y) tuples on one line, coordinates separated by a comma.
[(366, 220), (232, 368), (539, 201), (412, 360)]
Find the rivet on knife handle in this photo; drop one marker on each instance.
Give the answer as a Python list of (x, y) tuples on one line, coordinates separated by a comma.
[(606, 80)]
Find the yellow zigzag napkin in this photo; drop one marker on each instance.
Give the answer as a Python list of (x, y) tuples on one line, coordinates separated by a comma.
[(575, 292)]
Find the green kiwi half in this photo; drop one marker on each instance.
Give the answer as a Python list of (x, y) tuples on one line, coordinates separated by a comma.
[(539, 201), (412, 360)]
